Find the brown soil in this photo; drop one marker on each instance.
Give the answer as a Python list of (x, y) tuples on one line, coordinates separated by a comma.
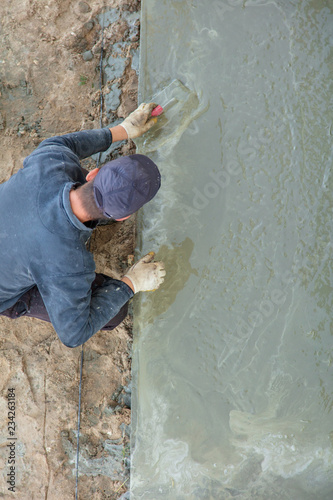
[(47, 88)]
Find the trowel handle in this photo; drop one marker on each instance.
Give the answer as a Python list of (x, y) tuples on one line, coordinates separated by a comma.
[(157, 111)]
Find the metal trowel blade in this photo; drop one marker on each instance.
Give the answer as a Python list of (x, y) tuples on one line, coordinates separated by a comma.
[(180, 106)]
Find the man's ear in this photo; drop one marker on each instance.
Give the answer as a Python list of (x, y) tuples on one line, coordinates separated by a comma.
[(92, 174)]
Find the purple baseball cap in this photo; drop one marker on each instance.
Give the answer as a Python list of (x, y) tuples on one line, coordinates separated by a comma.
[(124, 185)]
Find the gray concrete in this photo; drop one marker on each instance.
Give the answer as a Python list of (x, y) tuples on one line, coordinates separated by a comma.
[(232, 357)]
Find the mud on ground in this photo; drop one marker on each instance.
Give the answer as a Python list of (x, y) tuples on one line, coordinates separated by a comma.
[(49, 84)]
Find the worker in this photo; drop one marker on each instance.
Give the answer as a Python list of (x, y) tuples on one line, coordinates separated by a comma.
[(48, 211)]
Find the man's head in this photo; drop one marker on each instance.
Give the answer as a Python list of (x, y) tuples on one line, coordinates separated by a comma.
[(122, 186)]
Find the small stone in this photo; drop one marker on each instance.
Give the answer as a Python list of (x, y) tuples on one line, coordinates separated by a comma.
[(128, 389), (125, 429), (127, 400), (87, 56), (84, 8), (88, 26), (21, 130)]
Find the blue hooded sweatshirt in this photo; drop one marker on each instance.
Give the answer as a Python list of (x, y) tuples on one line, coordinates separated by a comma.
[(44, 244)]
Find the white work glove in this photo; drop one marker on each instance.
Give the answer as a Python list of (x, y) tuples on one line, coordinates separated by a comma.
[(139, 121), (146, 275)]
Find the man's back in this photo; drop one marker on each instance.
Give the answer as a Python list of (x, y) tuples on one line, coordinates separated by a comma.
[(44, 242), (35, 227)]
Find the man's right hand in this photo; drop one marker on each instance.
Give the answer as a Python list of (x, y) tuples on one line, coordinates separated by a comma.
[(146, 275), (139, 121)]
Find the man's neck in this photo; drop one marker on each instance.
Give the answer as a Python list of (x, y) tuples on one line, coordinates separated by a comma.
[(77, 207)]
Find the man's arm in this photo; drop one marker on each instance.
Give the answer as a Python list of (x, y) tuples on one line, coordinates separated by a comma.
[(85, 143), (118, 133), (76, 312)]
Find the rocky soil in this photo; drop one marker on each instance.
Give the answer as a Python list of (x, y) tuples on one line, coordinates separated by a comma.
[(49, 85)]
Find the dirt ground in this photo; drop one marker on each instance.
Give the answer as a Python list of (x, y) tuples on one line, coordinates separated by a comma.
[(49, 85)]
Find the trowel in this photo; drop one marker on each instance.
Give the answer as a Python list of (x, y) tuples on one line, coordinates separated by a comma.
[(180, 106)]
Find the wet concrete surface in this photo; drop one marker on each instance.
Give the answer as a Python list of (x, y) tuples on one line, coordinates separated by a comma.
[(232, 356)]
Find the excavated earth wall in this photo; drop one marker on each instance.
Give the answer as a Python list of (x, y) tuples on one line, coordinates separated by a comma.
[(49, 84)]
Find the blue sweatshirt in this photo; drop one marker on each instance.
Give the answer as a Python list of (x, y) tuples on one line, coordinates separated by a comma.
[(44, 244)]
